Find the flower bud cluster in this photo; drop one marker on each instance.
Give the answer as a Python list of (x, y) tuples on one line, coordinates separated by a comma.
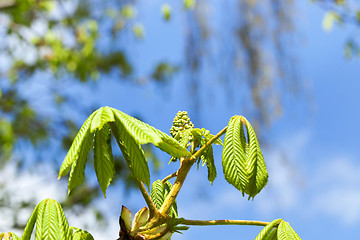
[(181, 122)]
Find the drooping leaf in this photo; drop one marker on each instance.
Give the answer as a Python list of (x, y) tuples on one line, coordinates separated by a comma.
[(30, 224), (79, 148), (103, 158), (132, 152), (256, 164), (77, 172), (208, 158), (269, 231), (285, 232), (144, 133), (9, 236), (140, 131), (243, 162), (102, 116)]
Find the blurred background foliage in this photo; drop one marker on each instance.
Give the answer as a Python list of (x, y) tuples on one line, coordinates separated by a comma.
[(51, 45)]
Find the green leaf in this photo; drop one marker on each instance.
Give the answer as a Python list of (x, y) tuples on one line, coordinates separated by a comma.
[(30, 224), (80, 234), (103, 158), (157, 193), (9, 236), (144, 133), (51, 222), (243, 162), (185, 137), (77, 172), (208, 158), (102, 116), (79, 148), (132, 152), (256, 164), (140, 131), (269, 231), (285, 232)]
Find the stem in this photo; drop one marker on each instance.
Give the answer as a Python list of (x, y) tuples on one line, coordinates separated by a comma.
[(169, 177), (223, 222), (152, 208), (185, 166)]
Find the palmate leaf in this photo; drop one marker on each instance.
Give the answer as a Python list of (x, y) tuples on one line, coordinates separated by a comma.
[(132, 152), (144, 133), (102, 116), (79, 148), (243, 162), (285, 232), (9, 236), (269, 231), (103, 158)]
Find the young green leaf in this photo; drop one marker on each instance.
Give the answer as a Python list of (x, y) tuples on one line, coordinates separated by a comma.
[(256, 164), (285, 232), (103, 158), (51, 222), (243, 162), (102, 116), (132, 152), (269, 231), (208, 158), (77, 172), (79, 148), (80, 234), (157, 193), (144, 133), (30, 223)]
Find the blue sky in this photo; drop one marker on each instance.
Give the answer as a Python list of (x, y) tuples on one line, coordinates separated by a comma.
[(312, 160)]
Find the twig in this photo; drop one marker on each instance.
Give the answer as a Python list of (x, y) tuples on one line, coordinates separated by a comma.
[(169, 177), (223, 222)]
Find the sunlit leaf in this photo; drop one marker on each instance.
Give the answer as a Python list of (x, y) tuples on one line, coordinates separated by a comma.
[(243, 162), (132, 152), (102, 116), (79, 148), (103, 158), (269, 231), (285, 232)]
